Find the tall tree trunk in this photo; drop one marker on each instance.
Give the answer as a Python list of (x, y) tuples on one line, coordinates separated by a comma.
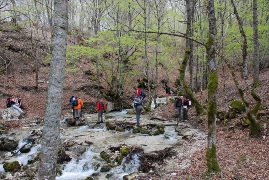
[(244, 46), (211, 156), (256, 57), (186, 58), (51, 132), (255, 128)]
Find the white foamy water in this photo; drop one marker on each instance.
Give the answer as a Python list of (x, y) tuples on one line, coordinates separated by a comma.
[(2, 168), (25, 157), (80, 168)]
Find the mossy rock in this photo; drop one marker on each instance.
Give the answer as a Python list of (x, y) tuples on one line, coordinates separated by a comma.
[(105, 156), (145, 131), (106, 168), (237, 106), (124, 150), (160, 127), (109, 176), (136, 130), (13, 166), (245, 122), (131, 111), (88, 178), (232, 115), (110, 126), (120, 129), (119, 159)]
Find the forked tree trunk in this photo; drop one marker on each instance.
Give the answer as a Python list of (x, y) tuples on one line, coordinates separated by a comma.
[(255, 128), (188, 51), (50, 140)]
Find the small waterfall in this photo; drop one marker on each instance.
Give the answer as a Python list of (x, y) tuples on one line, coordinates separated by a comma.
[(127, 167), (80, 168), (2, 168), (25, 157)]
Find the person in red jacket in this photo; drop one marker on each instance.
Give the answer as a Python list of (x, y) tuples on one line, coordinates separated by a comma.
[(100, 108), (137, 91), (77, 109)]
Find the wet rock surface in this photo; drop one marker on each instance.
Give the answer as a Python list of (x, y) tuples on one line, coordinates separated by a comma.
[(154, 145)]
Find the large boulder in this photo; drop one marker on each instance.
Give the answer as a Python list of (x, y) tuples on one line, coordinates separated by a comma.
[(7, 144)]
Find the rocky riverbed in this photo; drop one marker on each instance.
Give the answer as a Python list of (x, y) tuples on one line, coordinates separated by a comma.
[(115, 149)]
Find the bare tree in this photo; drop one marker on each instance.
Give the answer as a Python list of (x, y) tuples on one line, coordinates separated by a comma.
[(51, 131)]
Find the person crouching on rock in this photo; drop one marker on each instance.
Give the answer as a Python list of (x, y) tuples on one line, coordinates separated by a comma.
[(13, 101)]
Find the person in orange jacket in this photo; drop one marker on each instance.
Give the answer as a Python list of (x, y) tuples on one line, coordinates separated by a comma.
[(77, 109)]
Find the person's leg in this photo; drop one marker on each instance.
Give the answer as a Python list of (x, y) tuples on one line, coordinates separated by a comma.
[(138, 113), (73, 111), (99, 116), (184, 114), (17, 108), (179, 113), (76, 113), (79, 114)]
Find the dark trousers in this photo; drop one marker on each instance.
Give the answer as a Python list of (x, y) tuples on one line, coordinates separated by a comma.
[(178, 112), (100, 115), (138, 111), (185, 114)]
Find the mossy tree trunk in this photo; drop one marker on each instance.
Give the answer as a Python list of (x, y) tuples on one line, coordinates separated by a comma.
[(211, 157), (186, 59), (255, 128)]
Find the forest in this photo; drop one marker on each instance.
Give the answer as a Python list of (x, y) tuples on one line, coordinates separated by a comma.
[(215, 52)]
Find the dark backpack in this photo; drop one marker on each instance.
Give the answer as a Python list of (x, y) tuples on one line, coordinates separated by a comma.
[(102, 105), (178, 102), (9, 103), (143, 94), (75, 102)]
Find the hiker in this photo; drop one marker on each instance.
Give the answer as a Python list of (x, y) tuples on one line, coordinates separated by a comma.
[(138, 108), (78, 104), (137, 91), (167, 92), (13, 102), (178, 105), (73, 103), (100, 108), (185, 108)]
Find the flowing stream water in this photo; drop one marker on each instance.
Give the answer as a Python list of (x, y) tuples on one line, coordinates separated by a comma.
[(87, 164)]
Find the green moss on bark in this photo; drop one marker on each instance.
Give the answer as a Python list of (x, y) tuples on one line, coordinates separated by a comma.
[(211, 157)]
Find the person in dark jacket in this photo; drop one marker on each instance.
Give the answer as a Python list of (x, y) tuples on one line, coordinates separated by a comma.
[(185, 108), (178, 106), (167, 92)]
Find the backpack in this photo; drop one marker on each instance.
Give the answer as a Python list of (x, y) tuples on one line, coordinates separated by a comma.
[(137, 102), (102, 105), (143, 94), (178, 102), (75, 102), (9, 103)]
